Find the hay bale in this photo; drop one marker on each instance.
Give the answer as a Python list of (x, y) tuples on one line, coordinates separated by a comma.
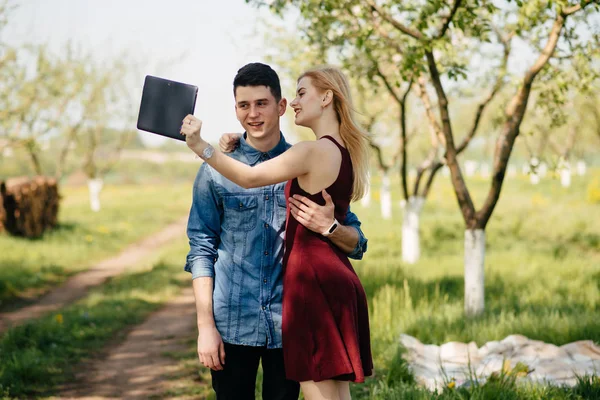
[(31, 205)]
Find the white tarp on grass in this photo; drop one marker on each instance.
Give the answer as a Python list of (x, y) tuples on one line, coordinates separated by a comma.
[(461, 363)]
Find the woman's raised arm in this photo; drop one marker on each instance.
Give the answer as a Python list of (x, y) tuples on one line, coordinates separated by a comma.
[(295, 162)]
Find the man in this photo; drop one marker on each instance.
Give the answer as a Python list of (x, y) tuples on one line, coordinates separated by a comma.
[(236, 250)]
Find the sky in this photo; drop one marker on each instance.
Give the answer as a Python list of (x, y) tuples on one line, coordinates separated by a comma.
[(202, 42)]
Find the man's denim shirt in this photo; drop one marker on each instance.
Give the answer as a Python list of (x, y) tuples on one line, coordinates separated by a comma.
[(236, 236)]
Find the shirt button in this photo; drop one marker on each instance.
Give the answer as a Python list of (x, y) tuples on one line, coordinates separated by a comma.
[(266, 225), (241, 205), (264, 280), (264, 308), (266, 253), (267, 197)]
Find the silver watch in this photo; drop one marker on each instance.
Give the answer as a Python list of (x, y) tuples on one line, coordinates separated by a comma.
[(207, 152)]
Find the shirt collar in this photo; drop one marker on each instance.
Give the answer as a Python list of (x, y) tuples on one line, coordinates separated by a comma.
[(253, 155)]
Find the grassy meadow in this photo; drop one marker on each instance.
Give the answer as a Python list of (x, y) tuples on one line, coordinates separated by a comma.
[(542, 275), (128, 214), (542, 281), (37, 357)]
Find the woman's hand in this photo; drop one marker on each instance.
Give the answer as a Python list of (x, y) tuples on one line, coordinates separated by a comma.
[(191, 128)]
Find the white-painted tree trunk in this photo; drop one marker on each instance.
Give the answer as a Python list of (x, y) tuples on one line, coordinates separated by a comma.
[(534, 178), (470, 167), (386, 197), (411, 244), (474, 271), (542, 170), (95, 187), (366, 200), (581, 168), (565, 176)]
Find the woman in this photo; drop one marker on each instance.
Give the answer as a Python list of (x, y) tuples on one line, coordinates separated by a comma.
[(326, 340)]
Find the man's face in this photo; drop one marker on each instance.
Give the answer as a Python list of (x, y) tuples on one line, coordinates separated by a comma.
[(258, 111)]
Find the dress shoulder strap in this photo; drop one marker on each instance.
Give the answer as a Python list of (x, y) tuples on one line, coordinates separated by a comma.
[(334, 141)]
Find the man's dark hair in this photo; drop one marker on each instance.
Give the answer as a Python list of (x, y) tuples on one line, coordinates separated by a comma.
[(257, 74)]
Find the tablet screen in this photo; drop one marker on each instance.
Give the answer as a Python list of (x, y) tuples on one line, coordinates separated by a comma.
[(164, 105)]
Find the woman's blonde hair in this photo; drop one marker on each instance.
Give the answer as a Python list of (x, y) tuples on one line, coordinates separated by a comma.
[(354, 138)]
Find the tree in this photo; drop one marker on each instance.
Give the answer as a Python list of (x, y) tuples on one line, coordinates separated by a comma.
[(429, 31), (108, 112)]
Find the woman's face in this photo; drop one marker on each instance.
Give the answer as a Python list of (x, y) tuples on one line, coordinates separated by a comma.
[(308, 103)]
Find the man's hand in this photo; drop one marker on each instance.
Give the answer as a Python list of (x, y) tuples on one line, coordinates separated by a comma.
[(313, 216), (211, 350), (229, 141)]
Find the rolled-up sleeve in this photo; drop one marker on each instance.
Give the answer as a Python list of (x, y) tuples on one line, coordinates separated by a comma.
[(204, 226), (361, 245)]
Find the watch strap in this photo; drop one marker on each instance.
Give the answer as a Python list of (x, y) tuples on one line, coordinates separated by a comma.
[(332, 228)]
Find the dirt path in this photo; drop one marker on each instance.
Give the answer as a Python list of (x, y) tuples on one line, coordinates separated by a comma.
[(136, 368), (78, 285)]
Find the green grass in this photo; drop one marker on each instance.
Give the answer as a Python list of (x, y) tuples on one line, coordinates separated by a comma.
[(542, 277), (129, 213), (542, 281), (38, 356)]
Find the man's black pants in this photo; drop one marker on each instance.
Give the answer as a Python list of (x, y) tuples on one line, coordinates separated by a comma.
[(237, 380)]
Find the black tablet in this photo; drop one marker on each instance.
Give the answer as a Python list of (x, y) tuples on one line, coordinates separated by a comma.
[(164, 105)]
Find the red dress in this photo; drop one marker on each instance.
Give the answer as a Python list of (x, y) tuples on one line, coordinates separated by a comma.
[(325, 314)]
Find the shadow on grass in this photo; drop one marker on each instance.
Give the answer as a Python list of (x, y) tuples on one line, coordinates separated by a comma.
[(20, 286), (435, 311)]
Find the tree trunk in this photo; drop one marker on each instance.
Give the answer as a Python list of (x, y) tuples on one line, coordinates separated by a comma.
[(564, 169), (386, 197), (534, 178), (543, 170), (95, 187), (474, 271), (366, 200), (470, 168), (565, 176), (411, 245), (581, 168)]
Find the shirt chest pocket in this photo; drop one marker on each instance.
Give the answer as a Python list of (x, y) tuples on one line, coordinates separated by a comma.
[(240, 213)]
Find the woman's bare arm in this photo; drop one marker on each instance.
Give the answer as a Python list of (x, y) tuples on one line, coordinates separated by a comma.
[(295, 162)]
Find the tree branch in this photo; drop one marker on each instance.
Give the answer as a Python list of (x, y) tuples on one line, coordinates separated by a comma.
[(387, 84), (573, 9), (496, 88), (404, 165), (385, 35), (436, 130), (555, 146), (460, 188), (395, 23), (446, 21), (514, 117), (425, 165), (379, 154), (434, 170)]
